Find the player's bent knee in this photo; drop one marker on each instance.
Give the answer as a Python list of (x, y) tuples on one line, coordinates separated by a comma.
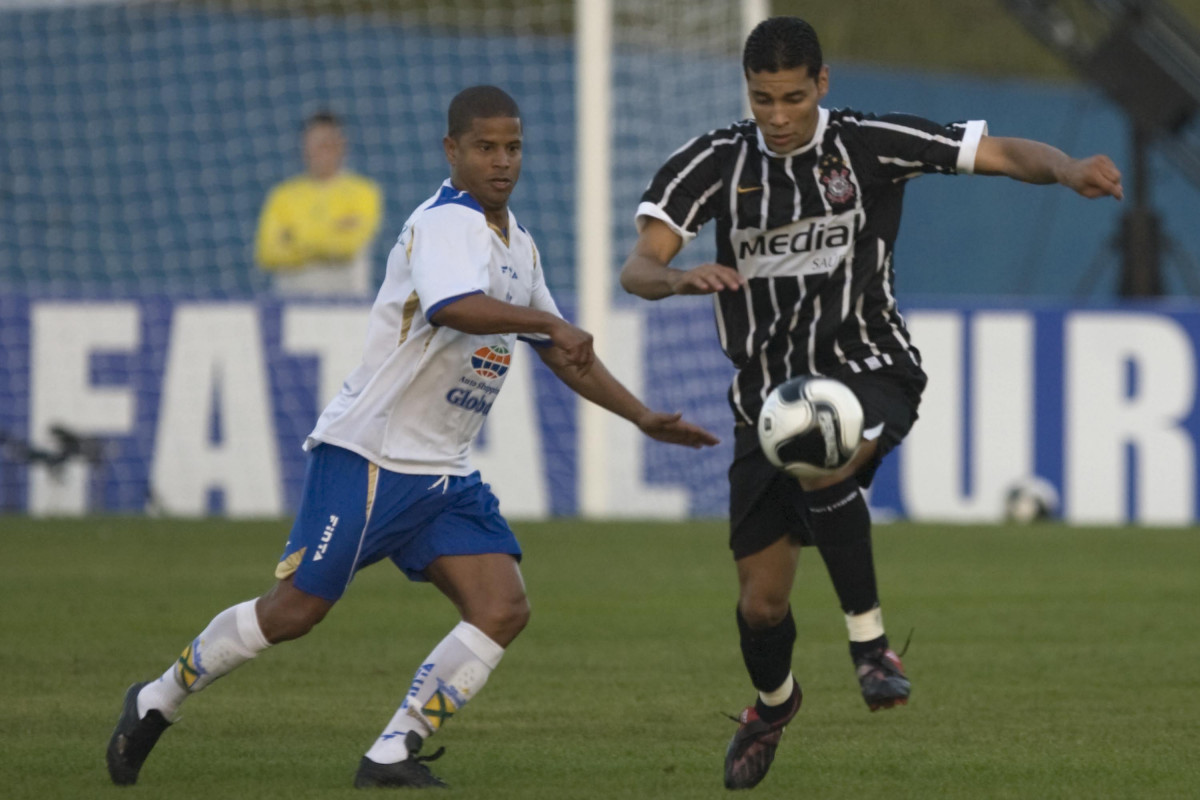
[(286, 613), (502, 621), (763, 611), (865, 453)]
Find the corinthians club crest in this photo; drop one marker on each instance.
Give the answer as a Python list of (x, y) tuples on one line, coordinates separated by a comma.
[(839, 189)]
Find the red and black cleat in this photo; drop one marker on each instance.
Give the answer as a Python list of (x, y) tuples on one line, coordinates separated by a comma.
[(752, 748), (882, 679)]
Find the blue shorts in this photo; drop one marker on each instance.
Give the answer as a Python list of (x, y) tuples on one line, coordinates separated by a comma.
[(354, 513)]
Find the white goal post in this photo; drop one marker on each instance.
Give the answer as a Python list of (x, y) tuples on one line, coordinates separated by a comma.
[(594, 222)]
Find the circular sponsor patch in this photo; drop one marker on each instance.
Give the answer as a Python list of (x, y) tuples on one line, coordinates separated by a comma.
[(491, 361)]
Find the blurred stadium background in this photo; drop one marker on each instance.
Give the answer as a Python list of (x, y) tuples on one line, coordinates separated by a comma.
[(147, 373), (145, 365)]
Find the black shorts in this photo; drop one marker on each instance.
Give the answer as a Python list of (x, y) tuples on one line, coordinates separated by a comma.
[(766, 503)]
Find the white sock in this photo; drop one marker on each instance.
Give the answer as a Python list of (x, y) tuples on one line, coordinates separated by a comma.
[(230, 640), (865, 627), (452, 674), (781, 694)]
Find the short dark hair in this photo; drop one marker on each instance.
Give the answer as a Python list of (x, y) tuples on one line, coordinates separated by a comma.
[(781, 43), (322, 117), (478, 102)]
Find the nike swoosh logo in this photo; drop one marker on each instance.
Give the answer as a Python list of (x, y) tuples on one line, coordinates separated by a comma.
[(745, 189)]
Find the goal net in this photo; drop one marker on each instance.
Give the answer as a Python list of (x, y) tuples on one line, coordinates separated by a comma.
[(146, 363)]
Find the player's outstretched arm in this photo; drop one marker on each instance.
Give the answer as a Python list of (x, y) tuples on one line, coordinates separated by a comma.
[(646, 272), (478, 313), (600, 387), (1036, 162)]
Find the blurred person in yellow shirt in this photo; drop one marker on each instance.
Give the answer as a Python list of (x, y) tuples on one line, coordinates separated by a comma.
[(316, 229)]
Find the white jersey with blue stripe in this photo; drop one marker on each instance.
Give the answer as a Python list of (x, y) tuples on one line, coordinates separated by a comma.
[(420, 396)]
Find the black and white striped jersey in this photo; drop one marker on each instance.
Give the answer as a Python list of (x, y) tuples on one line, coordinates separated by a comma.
[(812, 231)]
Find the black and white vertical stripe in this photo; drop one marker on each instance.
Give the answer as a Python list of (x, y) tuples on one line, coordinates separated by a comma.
[(789, 324)]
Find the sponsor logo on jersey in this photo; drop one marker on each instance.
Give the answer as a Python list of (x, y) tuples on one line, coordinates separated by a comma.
[(839, 189), (810, 246), (491, 361), (465, 398)]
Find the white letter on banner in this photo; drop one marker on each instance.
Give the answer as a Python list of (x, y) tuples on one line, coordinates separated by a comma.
[(215, 366), (630, 495), (335, 334), (1001, 436), (1103, 420), (64, 337), (509, 453)]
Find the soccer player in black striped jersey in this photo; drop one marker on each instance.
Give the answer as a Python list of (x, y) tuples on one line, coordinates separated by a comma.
[(807, 205)]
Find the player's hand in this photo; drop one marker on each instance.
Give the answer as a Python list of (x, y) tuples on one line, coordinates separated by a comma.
[(673, 429), (575, 344), (1096, 176), (707, 279)]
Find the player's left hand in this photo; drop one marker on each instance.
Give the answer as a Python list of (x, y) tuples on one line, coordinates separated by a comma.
[(1096, 176), (673, 429)]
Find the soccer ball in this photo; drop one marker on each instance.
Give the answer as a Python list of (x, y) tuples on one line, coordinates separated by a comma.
[(810, 427), (1029, 500)]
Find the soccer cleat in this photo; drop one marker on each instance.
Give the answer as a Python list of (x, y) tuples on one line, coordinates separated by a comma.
[(882, 679), (133, 739), (752, 748), (411, 772)]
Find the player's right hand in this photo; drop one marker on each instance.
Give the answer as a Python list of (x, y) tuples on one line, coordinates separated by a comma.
[(575, 344), (673, 429), (1094, 177), (707, 279)]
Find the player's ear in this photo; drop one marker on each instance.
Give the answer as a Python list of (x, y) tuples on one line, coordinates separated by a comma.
[(823, 82), (451, 148)]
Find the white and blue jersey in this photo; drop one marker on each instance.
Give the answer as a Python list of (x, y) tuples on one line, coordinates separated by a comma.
[(420, 396), (389, 474)]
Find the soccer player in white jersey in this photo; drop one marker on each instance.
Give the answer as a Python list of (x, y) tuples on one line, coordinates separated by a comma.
[(807, 202), (389, 473)]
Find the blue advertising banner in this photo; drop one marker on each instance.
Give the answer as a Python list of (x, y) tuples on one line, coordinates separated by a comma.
[(191, 408)]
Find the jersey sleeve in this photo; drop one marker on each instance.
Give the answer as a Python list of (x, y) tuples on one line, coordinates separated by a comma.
[(906, 146), (448, 258), (541, 299), (686, 191)]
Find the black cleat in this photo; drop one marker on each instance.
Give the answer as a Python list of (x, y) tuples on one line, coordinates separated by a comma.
[(133, 739), (411, 772), (752, 748), (882, 678)]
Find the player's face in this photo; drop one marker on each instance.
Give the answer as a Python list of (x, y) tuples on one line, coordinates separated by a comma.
[(785, 105), (486, 160), (324, 148)]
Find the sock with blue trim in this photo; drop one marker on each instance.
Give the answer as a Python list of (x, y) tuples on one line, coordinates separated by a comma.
[(450, 676), (230, 640)]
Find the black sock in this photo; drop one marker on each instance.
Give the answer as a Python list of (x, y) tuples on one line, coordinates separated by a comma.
[(768, 651), (769, 714), (859, 649), (841, 525)]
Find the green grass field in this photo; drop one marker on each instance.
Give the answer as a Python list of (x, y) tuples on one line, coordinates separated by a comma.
[(1047, 662)]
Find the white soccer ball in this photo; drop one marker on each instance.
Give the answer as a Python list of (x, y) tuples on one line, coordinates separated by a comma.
[(1029, 500), (810, 427)]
